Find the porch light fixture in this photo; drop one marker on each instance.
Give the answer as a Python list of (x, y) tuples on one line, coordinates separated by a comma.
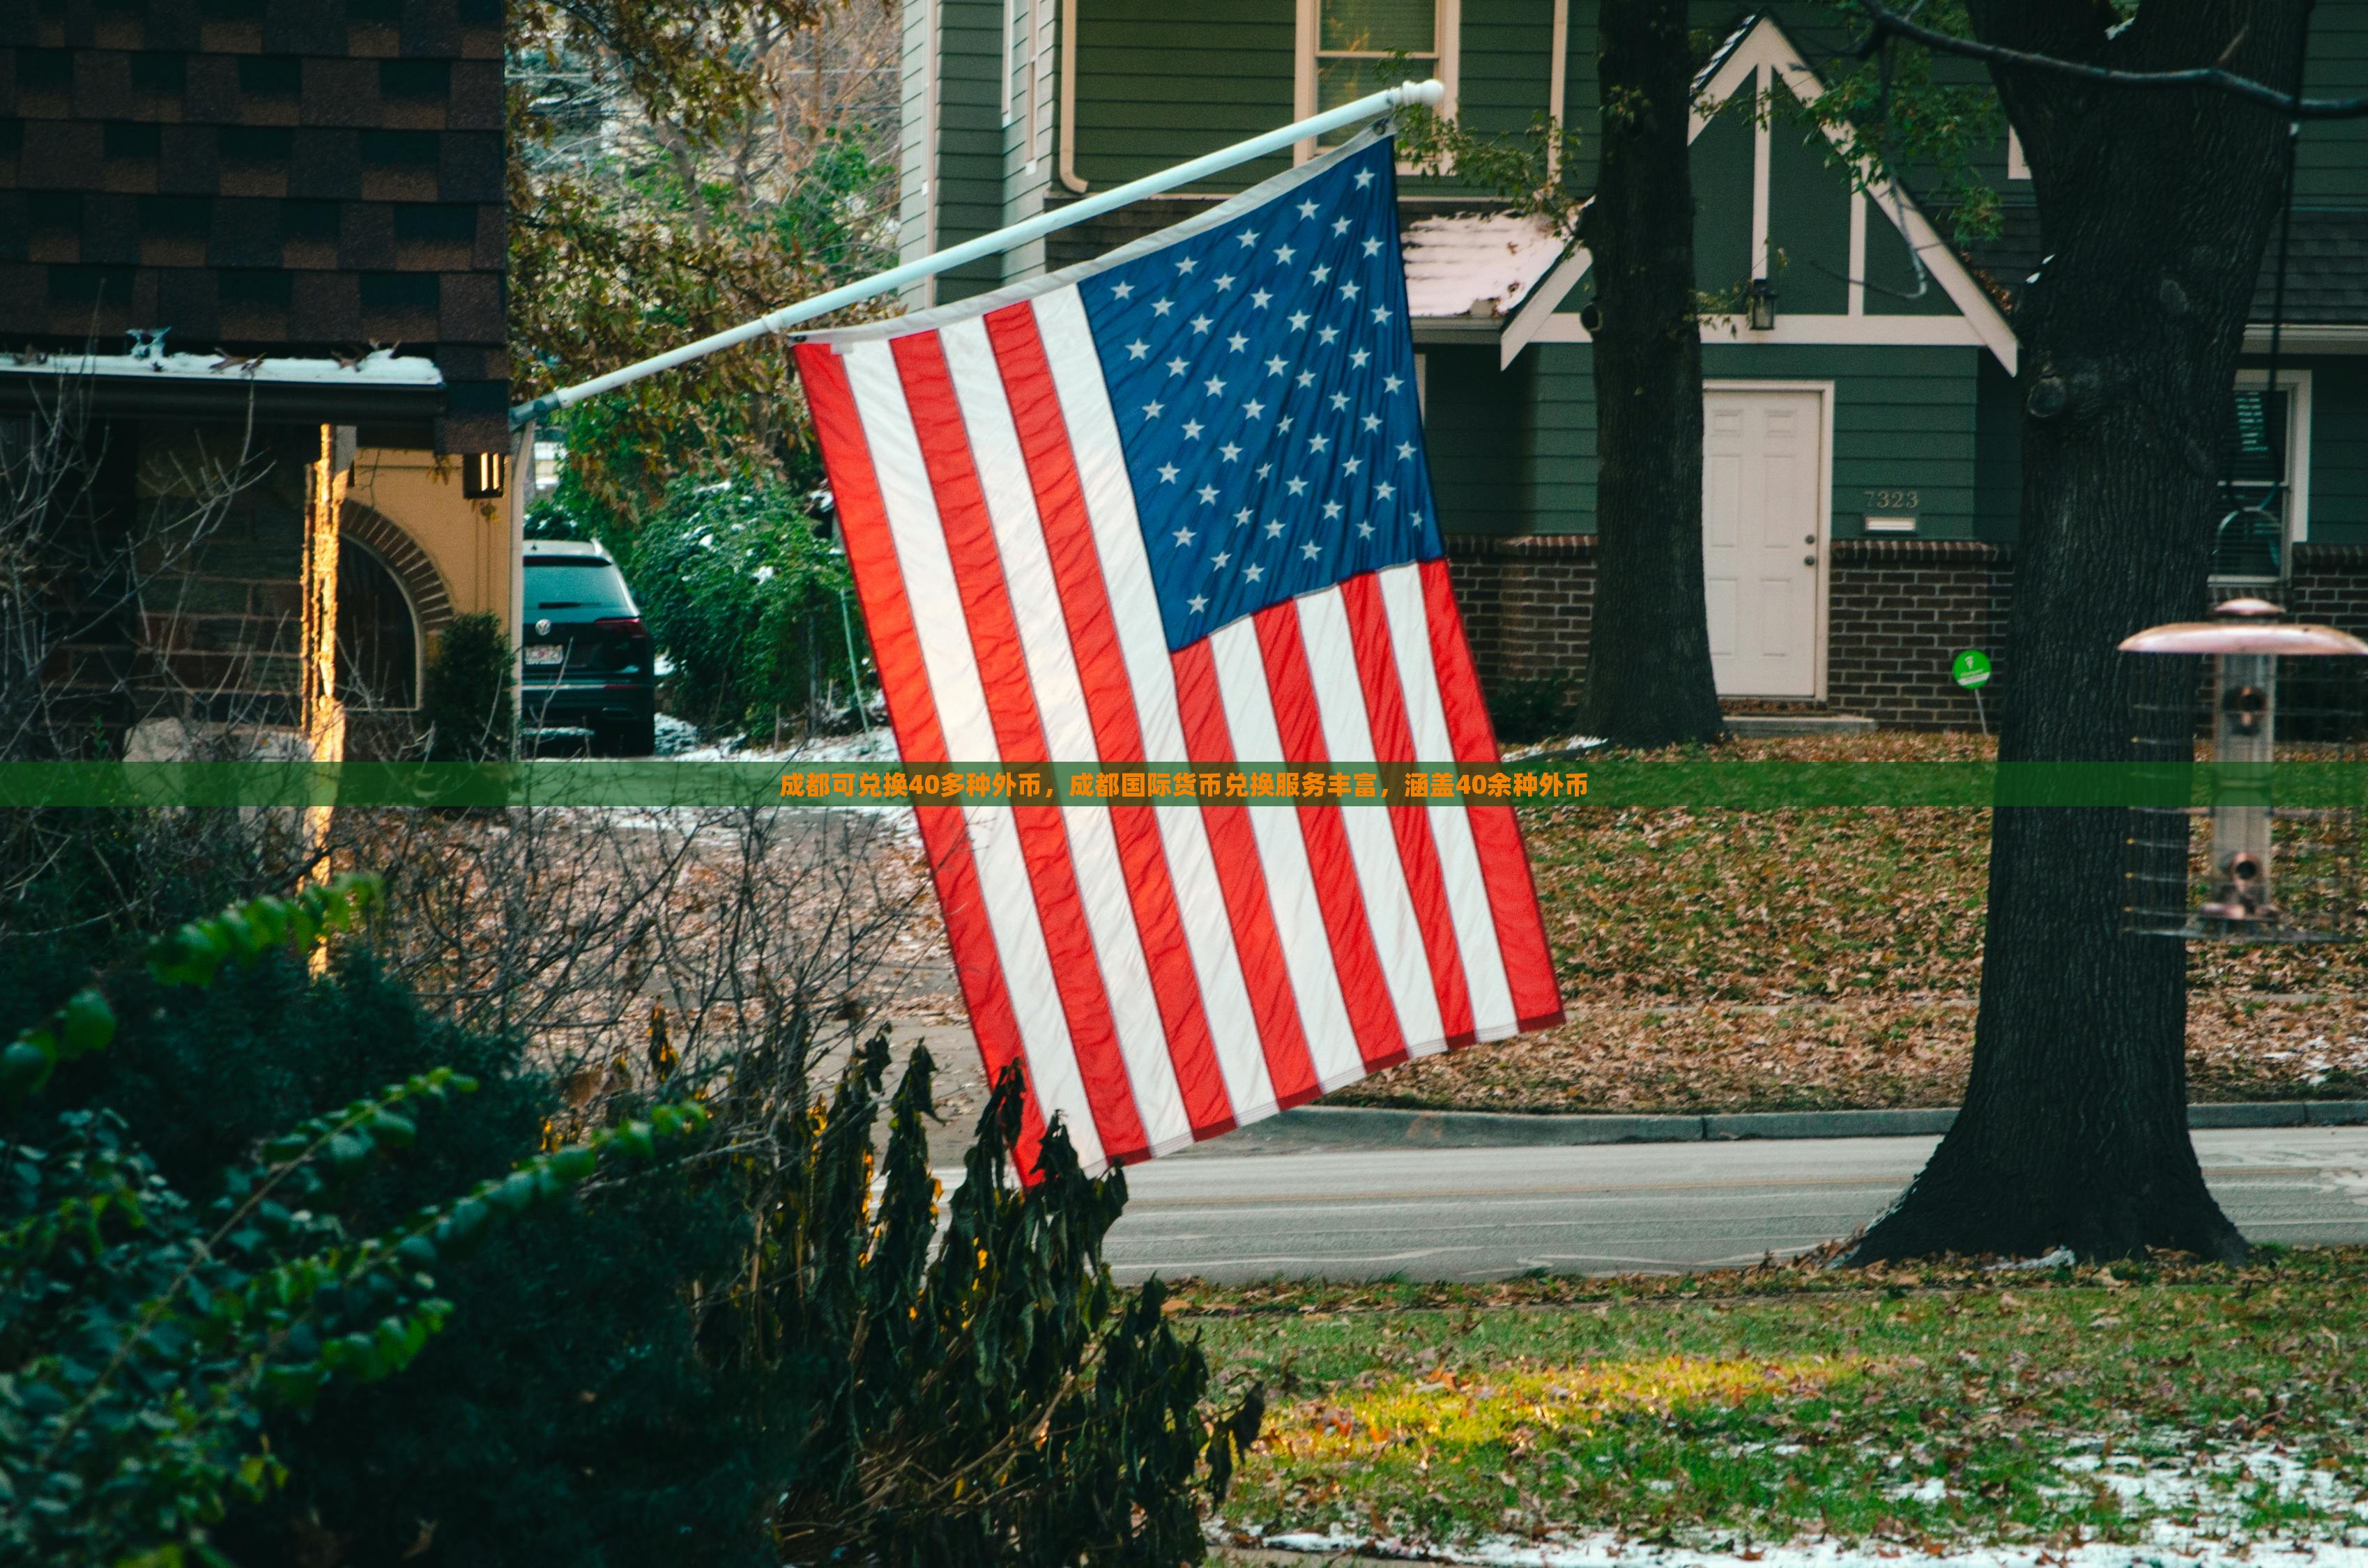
[(1760, 305), (484, 474)]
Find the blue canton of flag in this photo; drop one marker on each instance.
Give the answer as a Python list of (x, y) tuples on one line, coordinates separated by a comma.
[(1262, 375)]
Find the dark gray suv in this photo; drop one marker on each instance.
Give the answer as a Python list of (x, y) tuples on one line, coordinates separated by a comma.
[(589, 667)]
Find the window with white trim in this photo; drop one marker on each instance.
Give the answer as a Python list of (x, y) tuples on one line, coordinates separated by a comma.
[(1351, 47), (2265, 478)]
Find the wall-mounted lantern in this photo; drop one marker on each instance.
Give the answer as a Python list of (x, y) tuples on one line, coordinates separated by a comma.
[(1760, 305), (484, 474), (2263, 872)]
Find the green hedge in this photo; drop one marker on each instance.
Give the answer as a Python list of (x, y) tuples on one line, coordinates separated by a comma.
[(752, 606), (742, 1358)]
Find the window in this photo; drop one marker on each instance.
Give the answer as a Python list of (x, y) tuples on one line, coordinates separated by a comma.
[(1351, 47), (2265, 482)]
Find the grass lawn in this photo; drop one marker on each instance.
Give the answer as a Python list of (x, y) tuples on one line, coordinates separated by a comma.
[(1813, 959), (1932, 1408)]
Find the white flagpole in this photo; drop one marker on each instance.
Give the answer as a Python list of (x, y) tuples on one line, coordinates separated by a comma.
[(1368, 108)]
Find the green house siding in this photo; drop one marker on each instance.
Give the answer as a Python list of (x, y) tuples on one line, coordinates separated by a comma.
[(1904, 420), (970, 116), (1476, 435), (1158, 84), (1028, 164), (2331, 161), (1514, 451), (1721, 176), (1997, 451), (1808, 220), (1558, 470), (956, 86), (1506, 70)]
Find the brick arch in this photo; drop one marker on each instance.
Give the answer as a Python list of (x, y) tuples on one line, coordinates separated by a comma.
[(431, 602)]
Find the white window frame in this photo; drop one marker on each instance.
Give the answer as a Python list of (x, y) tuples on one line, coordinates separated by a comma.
[(2296, 515), (1446, 44), (2016, 167)]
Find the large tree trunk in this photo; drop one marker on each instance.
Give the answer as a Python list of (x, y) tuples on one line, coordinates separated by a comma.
[(1648, 674), (2153, 206)]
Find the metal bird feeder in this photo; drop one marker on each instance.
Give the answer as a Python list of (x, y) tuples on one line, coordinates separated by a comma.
[(2243, 868)]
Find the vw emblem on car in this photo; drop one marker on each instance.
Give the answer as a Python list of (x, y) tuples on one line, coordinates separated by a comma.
[(542, 627)]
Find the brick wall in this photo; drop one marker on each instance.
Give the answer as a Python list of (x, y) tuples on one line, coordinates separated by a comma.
[(1901, 610), (2329, 584), (1526, 602)]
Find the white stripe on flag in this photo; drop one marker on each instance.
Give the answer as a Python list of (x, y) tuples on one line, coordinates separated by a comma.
[(1061, 700), (1061, 327), (1373, 843), (1283, 853), (1451, 828), (1004, 883)]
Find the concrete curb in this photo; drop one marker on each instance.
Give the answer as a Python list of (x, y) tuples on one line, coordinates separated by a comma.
[(1313, 1128)]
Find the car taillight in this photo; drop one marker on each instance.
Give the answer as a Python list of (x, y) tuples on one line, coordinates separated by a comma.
[(621, 626)]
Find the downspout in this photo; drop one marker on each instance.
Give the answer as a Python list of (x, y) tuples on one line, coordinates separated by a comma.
[(1065, 69)]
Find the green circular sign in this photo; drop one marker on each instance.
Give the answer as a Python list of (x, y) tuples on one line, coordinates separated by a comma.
[(1971, 668)]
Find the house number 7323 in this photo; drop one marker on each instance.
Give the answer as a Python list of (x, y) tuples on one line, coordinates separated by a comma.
[(1888, 500)]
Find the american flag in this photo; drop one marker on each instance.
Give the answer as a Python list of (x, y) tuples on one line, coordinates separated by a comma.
[(1171, 506)]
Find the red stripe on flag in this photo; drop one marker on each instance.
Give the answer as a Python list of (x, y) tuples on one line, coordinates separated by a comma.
[(1019, 738), (1496, 832), (896, 654), (1298, 722), (1232, 844), (1377, 670), (1109, 704)]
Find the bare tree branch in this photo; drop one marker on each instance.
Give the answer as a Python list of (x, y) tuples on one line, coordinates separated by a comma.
[(1883, 23)]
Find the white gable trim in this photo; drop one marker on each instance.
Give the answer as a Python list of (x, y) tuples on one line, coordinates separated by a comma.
[(1793, 327), (1737, 66), (1537, 312)]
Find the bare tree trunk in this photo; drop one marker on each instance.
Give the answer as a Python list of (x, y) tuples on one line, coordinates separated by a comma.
[(2154, 207), (1648, 674)]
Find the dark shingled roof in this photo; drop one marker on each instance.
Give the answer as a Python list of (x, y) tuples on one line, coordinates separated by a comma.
[(2327, 267), (277, 176)]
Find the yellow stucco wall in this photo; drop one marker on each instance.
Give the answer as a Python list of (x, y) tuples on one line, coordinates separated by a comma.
[(471, 542)]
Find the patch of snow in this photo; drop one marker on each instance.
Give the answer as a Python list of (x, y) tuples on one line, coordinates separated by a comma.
[(878, 745), (2212, 1488), (1467, 258), (1604, 1550), (2060, 1258), (1558, 746)]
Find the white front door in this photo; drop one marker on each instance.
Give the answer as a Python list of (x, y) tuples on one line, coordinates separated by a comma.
[(1762, 561)]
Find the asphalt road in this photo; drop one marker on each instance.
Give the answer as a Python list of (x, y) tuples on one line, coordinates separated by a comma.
[(1624, 1209)]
